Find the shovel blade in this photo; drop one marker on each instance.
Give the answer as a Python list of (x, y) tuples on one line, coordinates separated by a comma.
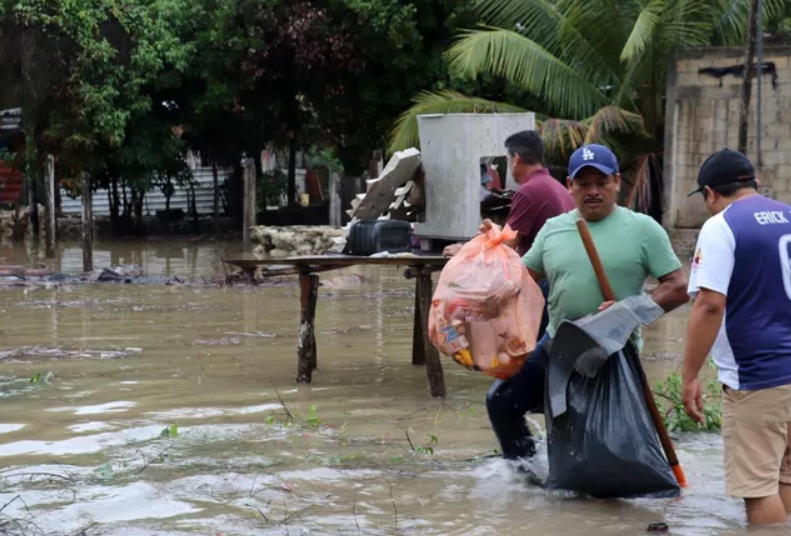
[(612, 327)]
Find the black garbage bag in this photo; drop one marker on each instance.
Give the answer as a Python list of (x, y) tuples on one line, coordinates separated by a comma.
[(601, 441)]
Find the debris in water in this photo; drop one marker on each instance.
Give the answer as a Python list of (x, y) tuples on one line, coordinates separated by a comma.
[(657, 527)]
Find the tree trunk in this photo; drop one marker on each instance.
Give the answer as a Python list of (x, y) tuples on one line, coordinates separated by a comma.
[(115, 199), (193, 207), (292, 171), (127, 206), (747, 85)]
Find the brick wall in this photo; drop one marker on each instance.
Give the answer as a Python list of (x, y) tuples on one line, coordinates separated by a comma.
[(702, 116)]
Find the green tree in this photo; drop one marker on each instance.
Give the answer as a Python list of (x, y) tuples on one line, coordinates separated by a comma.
[(87, 73)]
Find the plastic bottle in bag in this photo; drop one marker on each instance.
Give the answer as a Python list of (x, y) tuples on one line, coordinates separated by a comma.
[(486, 310)]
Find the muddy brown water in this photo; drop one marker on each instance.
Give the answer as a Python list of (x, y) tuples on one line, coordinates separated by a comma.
[(117, 366)]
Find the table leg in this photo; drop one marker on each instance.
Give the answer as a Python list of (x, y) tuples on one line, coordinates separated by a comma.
[(306, 345), (418, 350), (436, 377)]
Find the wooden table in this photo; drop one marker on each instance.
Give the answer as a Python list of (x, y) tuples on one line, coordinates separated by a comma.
[(419, 267)]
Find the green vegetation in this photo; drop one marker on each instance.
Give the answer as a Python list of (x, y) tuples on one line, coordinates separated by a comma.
[(676, 419), (40, 379), (170, 432)]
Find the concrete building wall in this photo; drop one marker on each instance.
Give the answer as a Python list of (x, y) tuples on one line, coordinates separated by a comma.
[(702, 116)]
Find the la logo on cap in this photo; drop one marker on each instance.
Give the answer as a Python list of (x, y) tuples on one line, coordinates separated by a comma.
[(587, 154)]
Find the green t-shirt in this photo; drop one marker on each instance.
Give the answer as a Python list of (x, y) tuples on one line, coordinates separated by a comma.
[(632, 246)]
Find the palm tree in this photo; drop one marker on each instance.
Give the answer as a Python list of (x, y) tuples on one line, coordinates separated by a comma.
[(599, 67)]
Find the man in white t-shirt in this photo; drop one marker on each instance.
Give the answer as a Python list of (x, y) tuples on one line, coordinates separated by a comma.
[(741, 282)]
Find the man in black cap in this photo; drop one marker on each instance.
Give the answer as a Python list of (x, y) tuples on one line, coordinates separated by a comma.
[(741, 283)]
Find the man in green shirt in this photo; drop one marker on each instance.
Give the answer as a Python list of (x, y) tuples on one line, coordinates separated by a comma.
[(632, 247)]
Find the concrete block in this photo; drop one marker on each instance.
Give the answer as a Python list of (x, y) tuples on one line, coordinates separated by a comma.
[(452, 146), (777, 131), (781, 62), (688, 79), (381, 191), (784, 145), (772, 158)]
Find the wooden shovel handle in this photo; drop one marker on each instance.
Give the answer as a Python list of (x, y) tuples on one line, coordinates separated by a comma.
[(593, 255), (656, 416)]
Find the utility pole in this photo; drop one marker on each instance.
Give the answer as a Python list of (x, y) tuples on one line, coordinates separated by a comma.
[(747, 85)]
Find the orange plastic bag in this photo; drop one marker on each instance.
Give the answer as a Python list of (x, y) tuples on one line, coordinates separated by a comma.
[(486, 310)]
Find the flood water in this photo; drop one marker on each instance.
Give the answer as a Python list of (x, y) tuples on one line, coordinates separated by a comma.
[(156, 410)]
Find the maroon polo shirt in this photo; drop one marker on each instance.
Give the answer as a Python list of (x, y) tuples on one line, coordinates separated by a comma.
[(539, 198)]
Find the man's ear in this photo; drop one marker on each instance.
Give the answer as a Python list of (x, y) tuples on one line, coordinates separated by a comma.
[(569, 183), (617, 178), (709, 193)]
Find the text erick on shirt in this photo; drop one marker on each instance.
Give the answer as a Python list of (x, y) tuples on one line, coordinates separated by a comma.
[(744, 253), (539, 198)]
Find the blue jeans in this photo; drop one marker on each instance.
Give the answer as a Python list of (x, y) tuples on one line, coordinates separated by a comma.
[(509, 400)]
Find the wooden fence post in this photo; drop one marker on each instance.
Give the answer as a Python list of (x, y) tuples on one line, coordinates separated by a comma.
[(87, 224), (52, 218), (336, 207), (249, 217)]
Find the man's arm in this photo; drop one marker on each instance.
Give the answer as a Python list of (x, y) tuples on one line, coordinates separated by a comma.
[(522, 218), (672, 291), (710, 278), (704, 324), (662, 263)]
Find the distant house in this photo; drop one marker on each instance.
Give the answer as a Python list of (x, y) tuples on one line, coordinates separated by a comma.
[(11, 138)]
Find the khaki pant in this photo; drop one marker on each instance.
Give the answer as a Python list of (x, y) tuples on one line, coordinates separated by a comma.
[(756, 432)]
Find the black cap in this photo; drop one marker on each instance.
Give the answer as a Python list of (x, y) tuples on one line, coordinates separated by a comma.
[(724, 167)]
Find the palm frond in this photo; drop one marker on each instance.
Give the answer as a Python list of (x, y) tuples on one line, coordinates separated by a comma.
[(643, 31), (640, 175), (405, 132), (610, 120), (522, 61), (603, 23), (561, 137), (547, 22), (684, 23), (729, 18), (662, 26)]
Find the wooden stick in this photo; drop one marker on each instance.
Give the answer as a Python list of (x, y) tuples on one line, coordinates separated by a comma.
[(593, 255), (656, 416)]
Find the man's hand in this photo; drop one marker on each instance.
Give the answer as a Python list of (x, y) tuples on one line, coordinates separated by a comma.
[(451, 250), (486, 226), (605, 305), (692, 396)]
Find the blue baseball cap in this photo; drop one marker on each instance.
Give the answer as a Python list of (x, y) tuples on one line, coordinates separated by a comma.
[(595, 156)]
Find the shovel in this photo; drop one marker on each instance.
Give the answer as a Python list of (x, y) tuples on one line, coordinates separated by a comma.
[(609, 295)]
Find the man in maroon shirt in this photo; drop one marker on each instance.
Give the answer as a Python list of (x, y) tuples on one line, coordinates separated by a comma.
[(539, 196)]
